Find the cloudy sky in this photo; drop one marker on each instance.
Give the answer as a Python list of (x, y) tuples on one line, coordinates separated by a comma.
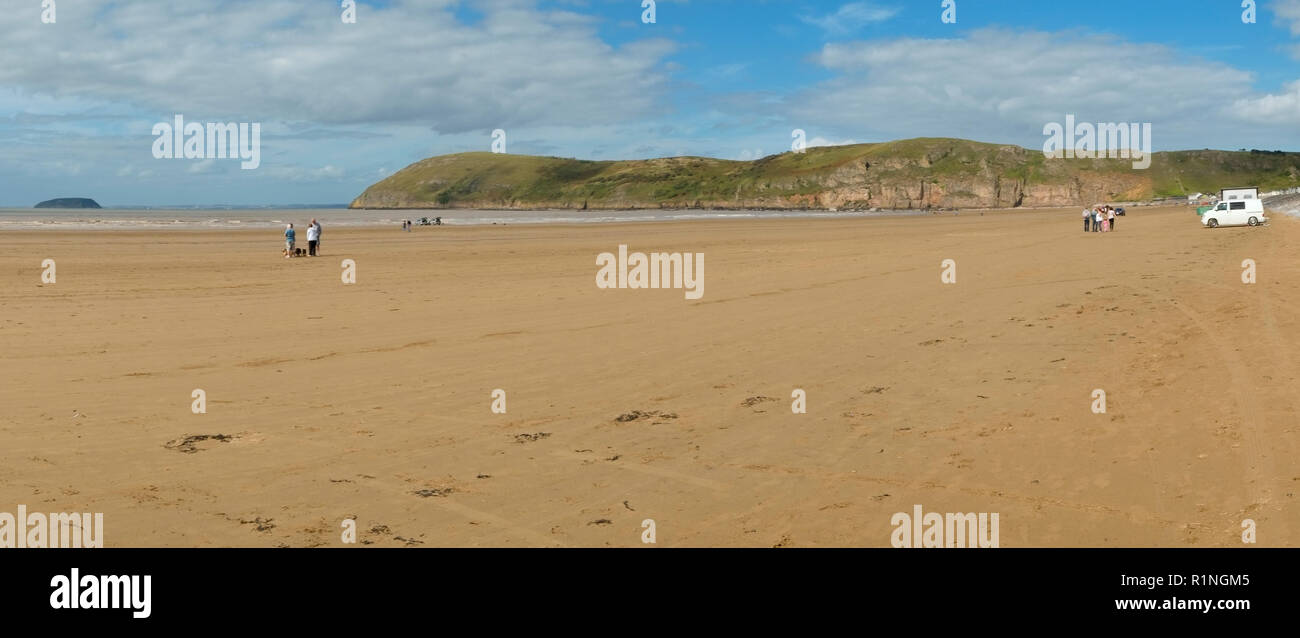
[(343, 105)]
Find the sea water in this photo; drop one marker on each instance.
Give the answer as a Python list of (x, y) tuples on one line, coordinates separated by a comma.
[(224, 219)]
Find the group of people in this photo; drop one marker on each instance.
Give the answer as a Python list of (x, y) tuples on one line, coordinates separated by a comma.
[(313, 241), (424, 221), (1099, 219)]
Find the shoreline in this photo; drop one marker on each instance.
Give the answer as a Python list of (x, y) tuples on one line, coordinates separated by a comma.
[(479, 218)]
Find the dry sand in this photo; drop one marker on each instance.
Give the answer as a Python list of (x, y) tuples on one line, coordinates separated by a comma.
[(348, 401)]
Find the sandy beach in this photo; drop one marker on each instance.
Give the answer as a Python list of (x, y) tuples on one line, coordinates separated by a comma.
[(372, 401)]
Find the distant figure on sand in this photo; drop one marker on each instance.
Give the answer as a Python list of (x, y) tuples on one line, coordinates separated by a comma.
[(1096, 220), (1110, 217), (313, 234), (317, 224), (288, 241), (1087, 219)]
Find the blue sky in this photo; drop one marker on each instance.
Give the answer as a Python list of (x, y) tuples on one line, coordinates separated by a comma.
[(343, 105)]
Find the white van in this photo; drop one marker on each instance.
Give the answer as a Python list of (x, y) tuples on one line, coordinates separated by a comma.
[(1241, 212)]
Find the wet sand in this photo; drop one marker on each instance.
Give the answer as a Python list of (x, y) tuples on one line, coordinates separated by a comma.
[(373, 400)]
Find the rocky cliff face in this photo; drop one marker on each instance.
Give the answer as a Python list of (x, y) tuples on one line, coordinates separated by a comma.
[(895, 186)]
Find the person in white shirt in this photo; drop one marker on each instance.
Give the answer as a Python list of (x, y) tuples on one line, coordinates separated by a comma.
[(313, 238), (1087, 219)]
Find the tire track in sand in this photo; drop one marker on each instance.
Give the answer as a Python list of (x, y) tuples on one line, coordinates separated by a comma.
[(1262, 469)]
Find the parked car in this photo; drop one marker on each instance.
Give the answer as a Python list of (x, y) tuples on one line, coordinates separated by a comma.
[(1242, 212)]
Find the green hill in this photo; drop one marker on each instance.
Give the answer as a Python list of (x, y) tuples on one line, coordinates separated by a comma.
[(916, 173)]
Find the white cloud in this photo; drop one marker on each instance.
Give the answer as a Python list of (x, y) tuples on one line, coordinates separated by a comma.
[(1001, 85), (1288, 11), (851, 17), (412, 62), (821, 141), (1281, 108), (131, 171), (295, 173)]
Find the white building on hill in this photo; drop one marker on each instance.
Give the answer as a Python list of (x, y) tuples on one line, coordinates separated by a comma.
[(1230, 194)]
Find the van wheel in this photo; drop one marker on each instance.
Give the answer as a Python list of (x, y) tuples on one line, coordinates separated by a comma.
[(1253, 221), (1213, 223)]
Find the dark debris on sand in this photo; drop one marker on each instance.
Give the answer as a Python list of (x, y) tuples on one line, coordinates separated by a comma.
[(637, 415), (263, 524), (437, 491), (186, 445)]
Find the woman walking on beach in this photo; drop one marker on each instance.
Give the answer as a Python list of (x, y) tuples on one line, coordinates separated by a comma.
[(1110, 217)]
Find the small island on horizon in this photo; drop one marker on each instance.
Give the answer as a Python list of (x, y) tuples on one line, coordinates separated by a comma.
[(69, 202)]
